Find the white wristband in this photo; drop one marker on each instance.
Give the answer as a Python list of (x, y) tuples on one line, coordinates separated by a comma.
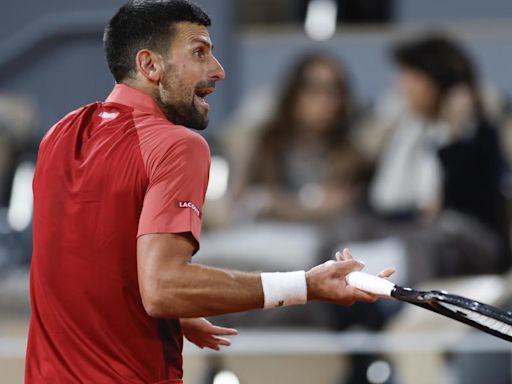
[(284, 288)]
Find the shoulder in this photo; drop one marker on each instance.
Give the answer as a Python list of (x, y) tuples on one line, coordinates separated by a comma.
[(487, 129), (182, 142), (62, 125), (163, 142), (188, 138), (162, 135), (485, 137)]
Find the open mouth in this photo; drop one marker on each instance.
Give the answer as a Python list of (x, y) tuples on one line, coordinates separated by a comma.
[(201, 94)]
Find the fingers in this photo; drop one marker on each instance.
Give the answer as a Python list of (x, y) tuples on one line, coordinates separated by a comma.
[(343, 256), (345, 267), (210, 337), (222, 341), (365, 296), (216, 343), (221, 331), (347, 255), (212, 342), (387, 273)]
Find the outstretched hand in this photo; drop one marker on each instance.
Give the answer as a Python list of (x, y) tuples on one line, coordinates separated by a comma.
[(326, 282), (204, 334)]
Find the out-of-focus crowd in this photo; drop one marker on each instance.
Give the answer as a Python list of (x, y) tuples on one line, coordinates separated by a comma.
[(418, 181)]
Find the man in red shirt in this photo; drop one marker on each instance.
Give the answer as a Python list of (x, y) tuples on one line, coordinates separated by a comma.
[(118, 192)]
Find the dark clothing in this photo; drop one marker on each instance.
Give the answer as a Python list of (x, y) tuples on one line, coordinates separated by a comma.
[(469, 236), (474, 172)]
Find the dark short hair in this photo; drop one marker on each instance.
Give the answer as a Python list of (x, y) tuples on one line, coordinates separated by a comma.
[(145, 24), (440, 58)]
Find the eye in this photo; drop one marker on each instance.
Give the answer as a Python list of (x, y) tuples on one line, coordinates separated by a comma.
[(199, 53)]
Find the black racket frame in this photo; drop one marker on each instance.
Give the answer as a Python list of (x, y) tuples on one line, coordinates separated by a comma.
[(431, 300)]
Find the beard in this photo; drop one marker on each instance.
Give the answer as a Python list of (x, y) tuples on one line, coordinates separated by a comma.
[(178, 103)]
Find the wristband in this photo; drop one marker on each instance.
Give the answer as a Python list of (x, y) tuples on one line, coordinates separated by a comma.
[(284, 288)]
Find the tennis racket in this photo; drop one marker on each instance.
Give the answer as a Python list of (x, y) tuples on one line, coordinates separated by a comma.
[(482, 316)]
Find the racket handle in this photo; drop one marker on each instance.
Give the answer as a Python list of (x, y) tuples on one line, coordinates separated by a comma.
[(370, 283)]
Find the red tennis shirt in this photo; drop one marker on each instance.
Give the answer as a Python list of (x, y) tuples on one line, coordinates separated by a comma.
[(106, 174)]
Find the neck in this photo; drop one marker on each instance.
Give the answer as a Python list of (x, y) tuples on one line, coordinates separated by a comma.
[(147, 89)]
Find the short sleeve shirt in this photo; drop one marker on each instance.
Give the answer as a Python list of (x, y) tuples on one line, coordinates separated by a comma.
[(106, 174)]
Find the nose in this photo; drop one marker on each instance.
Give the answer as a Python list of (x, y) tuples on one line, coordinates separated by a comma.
[(217, 72)]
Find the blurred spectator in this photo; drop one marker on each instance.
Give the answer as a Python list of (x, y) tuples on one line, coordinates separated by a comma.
[(439, 177), (17, 156), (18, 116), (435, 202), (304, 167)]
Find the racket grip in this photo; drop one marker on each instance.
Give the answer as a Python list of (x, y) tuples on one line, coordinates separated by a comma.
[(370, 283)]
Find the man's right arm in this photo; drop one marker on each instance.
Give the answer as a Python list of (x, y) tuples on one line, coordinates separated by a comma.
[(173, 287)]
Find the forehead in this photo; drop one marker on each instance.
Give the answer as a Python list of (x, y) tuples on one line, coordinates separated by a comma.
[(321, 70), (188, 33), (414, 74)]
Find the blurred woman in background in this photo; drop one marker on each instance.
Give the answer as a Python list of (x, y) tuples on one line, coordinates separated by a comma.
[(304, 167)]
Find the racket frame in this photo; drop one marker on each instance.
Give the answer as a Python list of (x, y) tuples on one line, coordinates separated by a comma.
[(432, 300)]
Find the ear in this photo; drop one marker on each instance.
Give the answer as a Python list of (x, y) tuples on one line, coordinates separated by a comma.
[(149, 65)]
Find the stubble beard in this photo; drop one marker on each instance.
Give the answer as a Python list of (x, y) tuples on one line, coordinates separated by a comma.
[(178, 105)]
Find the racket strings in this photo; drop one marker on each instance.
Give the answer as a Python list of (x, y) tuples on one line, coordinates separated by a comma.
[(486, 321)]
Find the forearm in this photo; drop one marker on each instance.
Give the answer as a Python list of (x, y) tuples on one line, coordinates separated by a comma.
[(194, 290), (172, 287), (205, 291)]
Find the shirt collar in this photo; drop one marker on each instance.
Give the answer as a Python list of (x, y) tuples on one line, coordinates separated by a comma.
[(126, 95)]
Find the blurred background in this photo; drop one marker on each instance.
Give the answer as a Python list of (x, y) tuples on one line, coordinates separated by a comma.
[(380, 125)]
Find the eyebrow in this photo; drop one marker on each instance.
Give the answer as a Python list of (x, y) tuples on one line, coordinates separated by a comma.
[(203, 41)]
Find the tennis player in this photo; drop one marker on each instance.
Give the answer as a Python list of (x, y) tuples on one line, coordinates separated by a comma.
[(118, 193)]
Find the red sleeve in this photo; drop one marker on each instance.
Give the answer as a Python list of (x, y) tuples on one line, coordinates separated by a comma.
[(177, 186)]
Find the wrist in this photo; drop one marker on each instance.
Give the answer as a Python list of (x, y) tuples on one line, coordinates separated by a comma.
[(185, 322), (310, 287), (283, 289)]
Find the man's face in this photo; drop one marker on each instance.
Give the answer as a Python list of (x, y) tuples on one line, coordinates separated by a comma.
[(420, 92), (191, 72)]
